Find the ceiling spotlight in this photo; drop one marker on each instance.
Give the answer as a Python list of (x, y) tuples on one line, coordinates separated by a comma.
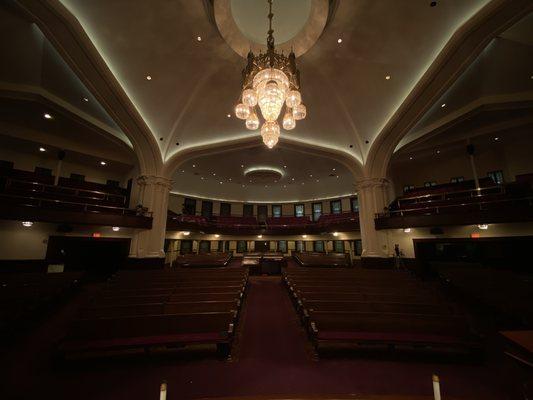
[(304, 236), (333, 169), (284, 166), (410, 158), (148, 78), (407, 230), (443, 105), (27, 224), (220, 182), (242, 185), (387, 77), (496, 138), (438, 151), (103, 163), (214, 174), (228, 115), (85, 99), (202, 178), (182, 170), (337, 176), (217, 235), (185, 233), (259, 236), (116, 228), (339, 40), (229, 179), (194, 165), (47, 116), (284, 186), (292, 178), (335, 234), (199, 38), (42, 149), (483, 227)]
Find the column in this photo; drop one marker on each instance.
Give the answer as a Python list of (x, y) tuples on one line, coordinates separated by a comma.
[(373, 197), (153, 194)]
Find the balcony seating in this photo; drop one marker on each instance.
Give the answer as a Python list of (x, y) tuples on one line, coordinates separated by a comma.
[(26, 296), (374, 309), (235, 222), (283, 222), (139, 310), (193, 219), (330, 220), (36, 190)]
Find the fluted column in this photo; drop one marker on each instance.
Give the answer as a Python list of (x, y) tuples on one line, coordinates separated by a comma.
[(373, 198), (153, 193)]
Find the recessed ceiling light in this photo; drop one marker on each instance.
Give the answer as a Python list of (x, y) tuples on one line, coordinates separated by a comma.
[(438, 151), (333, 169), (407, 230), (337, 176), (27, 224), (259, 236), (266, 186), (103, 163), (228, 115), (304, 236), (182, 170), (229, 179), (217, 235), (284, 186), (47, 116), (242, 185), (496, 138), (185, 233), (41, 149), (250, 181), (199, 38), (303, 183), (202, 178), (387, 77), (116, 228), (194, 165), (242, 165), (410, 158), (220, 182), (483, 226), (318, 180), (214, 174), (339, 40), (443, 105), (335, 233), (85, 99), (284, 166), (148, 78)]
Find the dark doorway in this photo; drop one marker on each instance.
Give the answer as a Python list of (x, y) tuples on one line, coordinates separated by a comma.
[(225, 209), (189, 207), (186, 247), (248, 210), (261, 246), (262, 213), (205, 246), (98, 256)]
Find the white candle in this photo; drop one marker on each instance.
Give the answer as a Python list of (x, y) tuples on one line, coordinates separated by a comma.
[(436, 387), (163, 391)]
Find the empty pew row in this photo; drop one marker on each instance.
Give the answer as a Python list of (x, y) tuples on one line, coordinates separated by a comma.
[(24, 297), (369, 308), (142, 310), (203, 260), (322, 260)]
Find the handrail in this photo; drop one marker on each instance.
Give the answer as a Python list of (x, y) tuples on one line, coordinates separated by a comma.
[(76, 190), (85, 205), (437, 208), (445, 194)]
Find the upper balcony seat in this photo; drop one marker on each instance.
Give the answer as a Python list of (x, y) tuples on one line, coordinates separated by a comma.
[(333, 219), (277, 222), (235, 221)]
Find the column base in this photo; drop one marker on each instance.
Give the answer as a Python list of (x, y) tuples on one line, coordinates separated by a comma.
[(145, 263), (377, 262)]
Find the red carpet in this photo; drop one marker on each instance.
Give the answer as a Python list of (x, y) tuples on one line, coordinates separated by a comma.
[(272, 358)]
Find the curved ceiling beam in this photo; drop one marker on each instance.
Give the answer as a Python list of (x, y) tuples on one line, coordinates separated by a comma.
[(177, 159), (66, 34), (462, 49)]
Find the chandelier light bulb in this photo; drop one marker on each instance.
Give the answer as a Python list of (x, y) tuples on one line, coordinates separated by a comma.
[(271, 98), (270, 133), (289, 122), (242, 111), (249, 97), (294, 98), (252, 122), (299, 112)]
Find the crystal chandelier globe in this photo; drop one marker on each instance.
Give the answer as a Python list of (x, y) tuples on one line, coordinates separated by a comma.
[(271, 83)]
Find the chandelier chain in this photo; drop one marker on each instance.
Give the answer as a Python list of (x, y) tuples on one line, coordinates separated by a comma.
[(270, 37)]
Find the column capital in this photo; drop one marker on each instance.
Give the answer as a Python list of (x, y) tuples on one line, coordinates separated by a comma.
[(367, 183), (147, 180)]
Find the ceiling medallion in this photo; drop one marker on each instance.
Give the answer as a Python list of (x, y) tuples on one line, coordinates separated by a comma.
[(270, 80)]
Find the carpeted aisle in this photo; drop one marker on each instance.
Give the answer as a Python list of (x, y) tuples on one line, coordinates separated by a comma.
[(272, 357)]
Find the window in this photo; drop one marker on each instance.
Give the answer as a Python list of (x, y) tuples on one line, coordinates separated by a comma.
[(276, 210), (207, 209), (354, 204), (457, 179), (300, 246), (241, 246), (186, 247), (430, 184), (496, 176), (282, 246), (338, 246), (248, 210), (336, 207), (318, 246), (407, 188), (220, 246), (189, 207), (299, 210), (205, 246), (317, 211), (358, 247), (225, 209)]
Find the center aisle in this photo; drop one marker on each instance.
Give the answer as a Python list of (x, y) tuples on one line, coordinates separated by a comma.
[(271, 333)]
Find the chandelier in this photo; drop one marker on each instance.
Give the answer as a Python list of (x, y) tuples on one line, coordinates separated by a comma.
[(270, 81)]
